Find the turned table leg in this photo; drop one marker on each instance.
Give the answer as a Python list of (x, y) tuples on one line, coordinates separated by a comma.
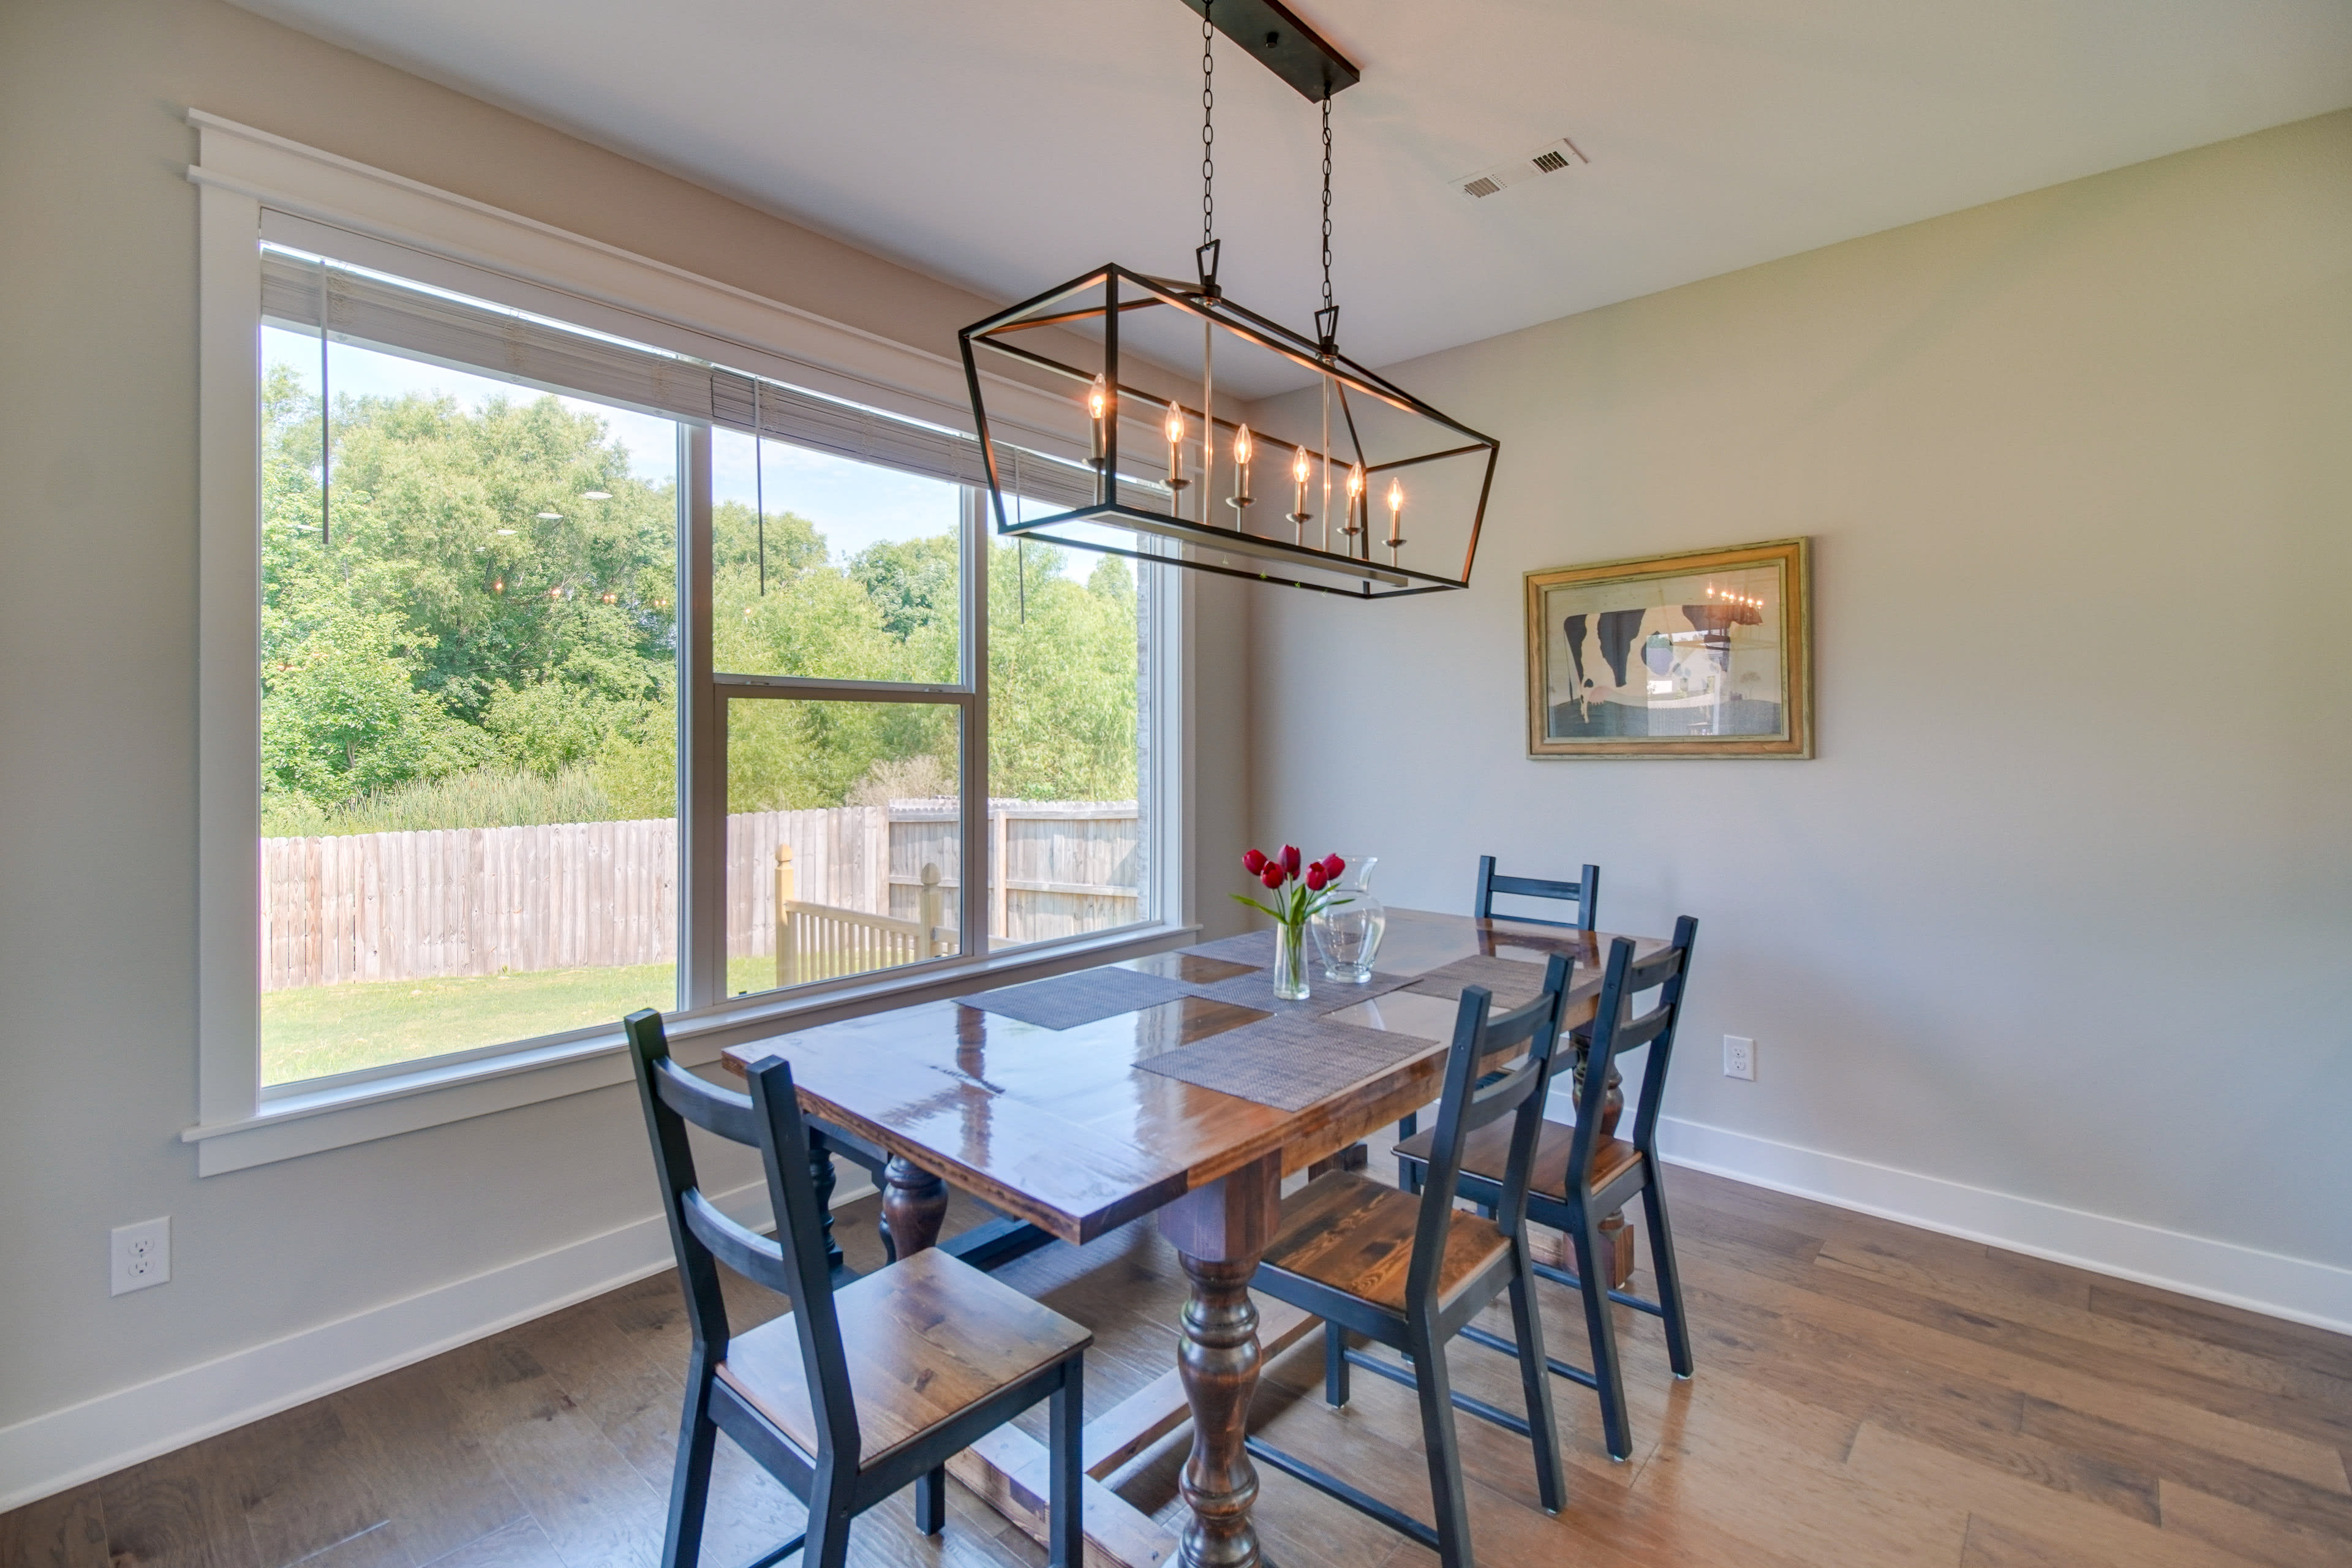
[(914, 1202), (1615, 1234), (821, 1175), (1219, 1232)]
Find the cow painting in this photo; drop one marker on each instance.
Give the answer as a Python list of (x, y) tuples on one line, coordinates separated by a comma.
[(1666, 657)]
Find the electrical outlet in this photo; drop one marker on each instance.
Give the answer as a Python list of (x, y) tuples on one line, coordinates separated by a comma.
[(1739, 1057), (143, 1254)]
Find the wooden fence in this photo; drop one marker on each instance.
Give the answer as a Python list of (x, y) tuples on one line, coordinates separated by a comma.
[(406, 906)]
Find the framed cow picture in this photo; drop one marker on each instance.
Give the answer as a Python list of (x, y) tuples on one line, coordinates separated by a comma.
[(1703, 655)]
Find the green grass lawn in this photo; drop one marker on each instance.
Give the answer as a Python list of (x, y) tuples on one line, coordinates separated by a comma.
[(324, 1029)]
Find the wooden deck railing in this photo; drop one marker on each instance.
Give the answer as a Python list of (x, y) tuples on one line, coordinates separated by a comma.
[(820, 942)]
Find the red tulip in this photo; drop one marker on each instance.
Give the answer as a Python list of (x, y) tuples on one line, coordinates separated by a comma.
[(1333, 866), (1316, 877), (1253, 862), (1290, 859), (1272, 876)]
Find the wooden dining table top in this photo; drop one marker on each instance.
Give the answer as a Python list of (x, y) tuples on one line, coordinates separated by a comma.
[(1061, 1128)]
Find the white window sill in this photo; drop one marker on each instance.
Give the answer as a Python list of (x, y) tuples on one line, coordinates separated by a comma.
[(339, 1115)]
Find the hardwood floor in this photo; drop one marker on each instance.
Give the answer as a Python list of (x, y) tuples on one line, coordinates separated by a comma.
[(1867, 1395)]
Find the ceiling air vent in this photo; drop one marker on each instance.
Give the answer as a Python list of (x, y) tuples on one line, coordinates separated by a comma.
[(1549, 159)]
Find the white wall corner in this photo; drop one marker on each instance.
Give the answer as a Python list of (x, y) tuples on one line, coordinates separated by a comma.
[(2298, 1290)]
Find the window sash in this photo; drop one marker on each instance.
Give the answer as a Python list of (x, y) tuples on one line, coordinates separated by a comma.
[(373, 310)]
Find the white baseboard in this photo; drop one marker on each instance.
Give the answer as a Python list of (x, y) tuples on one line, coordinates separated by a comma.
[(2296, 1289), (65, 1448)]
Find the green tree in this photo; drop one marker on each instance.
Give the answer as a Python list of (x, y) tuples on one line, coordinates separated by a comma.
[(501, 562), (1062, 677), (491, 624)]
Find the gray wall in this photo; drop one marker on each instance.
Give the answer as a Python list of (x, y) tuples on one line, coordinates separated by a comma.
[(97, 780), (2062, 909)]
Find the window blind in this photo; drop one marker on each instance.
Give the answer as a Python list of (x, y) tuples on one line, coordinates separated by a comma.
[(370, 309)]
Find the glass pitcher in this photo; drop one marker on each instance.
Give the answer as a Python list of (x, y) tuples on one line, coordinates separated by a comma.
[(1347, 935)]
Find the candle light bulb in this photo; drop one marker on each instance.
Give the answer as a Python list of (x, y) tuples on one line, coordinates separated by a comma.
[(1396, 498), (1098, 405), (1355, 481), (1173, 427), (1298, 513), (1241, 445)]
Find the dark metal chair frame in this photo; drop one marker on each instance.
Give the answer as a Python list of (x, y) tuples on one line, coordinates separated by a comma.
[(1585, 893), (1578, 1210), (1422, 1329), (831, 1482)]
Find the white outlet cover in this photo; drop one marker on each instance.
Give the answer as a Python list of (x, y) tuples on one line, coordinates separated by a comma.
[(142, 1255), (1739, 1057)]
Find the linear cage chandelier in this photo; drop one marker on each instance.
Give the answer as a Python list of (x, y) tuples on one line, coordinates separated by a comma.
[(1335, 480)]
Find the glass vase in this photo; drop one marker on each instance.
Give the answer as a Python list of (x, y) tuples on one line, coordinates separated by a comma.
[(1348, 932), (1290, 963)]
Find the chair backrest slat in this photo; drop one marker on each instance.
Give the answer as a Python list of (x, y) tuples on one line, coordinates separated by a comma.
[(714, 1109), (1647, 974), (739, 1247), (1508, 1033), (793, 1263), (1616, 1029), (1585, 893), (1465, 1105)]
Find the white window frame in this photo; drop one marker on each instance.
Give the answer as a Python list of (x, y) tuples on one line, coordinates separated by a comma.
[(422, 231)]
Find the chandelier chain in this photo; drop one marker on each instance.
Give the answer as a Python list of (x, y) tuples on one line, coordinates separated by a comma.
[(1208, 129), (1326, 201)]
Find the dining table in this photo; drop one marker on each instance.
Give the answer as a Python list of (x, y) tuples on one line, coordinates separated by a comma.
[(1173, 1086)]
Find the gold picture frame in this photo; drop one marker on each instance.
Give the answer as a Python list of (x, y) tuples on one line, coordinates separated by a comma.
[(1704, 654)]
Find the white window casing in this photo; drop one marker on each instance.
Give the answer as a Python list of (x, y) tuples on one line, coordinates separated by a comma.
[(291, 234)]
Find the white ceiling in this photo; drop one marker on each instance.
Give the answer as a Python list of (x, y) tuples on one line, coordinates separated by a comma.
[(1007, 146)]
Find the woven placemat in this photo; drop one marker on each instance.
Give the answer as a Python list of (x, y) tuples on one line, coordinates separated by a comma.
[(1514, 982), (1254, 948), (1286, 1061), (1255, 989), (1084, 997)]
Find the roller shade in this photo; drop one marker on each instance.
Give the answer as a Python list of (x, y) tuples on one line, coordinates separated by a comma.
[(370, 309)]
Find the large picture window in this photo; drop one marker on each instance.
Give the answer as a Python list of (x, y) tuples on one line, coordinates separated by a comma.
[(593, 676)]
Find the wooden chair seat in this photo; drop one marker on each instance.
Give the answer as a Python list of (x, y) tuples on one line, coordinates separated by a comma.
[(1355, 1235), (926, 1339), (1489, 1149)]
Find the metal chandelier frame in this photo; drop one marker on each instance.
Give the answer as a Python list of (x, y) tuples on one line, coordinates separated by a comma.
[(1361, 575), (1316, 69)]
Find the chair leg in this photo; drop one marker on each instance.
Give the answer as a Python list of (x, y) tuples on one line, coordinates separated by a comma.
[(1535, 1381), (1592, 1276), (1435, 1386), (1409, 1174), (1669, 1273), (1335, 1364), (689, 1488), (931, 1501), (1065, 1485), (828, 1543)]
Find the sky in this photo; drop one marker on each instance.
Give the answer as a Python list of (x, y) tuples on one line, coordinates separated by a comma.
[(853, 504)]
